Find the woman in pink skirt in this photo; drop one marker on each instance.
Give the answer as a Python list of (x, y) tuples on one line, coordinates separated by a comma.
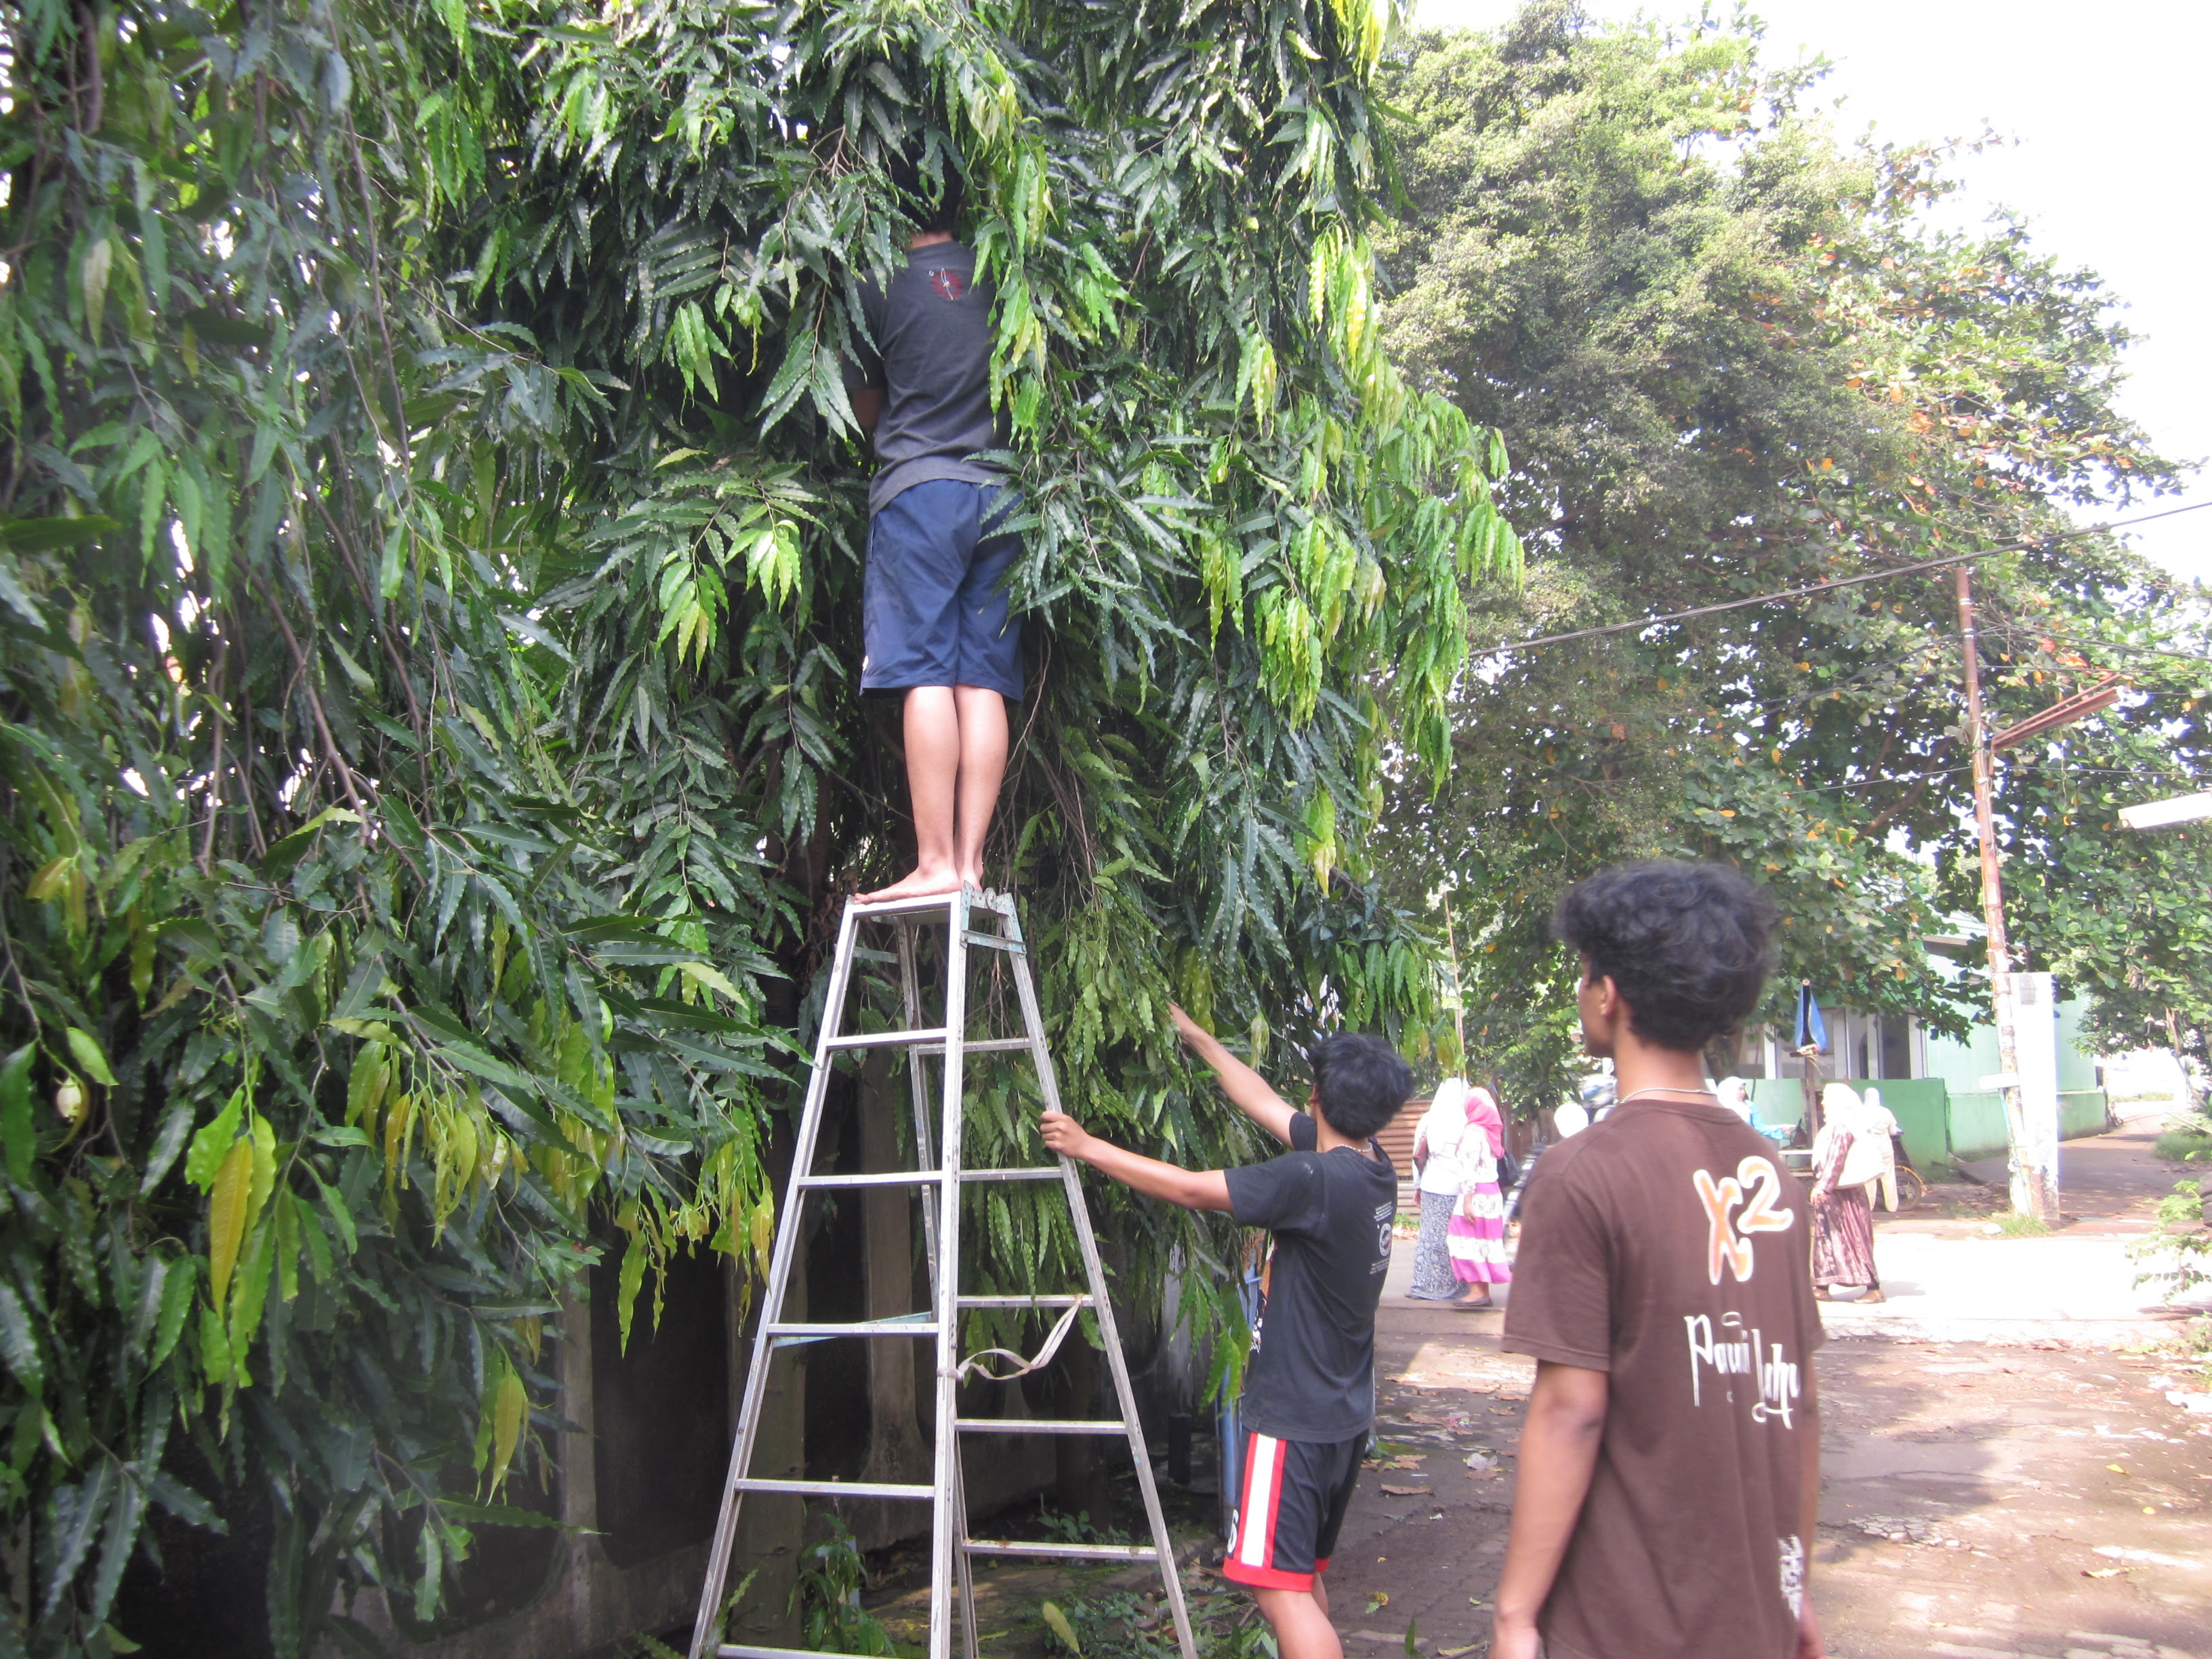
[(1477, 1239)]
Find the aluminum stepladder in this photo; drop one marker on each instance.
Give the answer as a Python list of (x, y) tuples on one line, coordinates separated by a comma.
[(972, 920)]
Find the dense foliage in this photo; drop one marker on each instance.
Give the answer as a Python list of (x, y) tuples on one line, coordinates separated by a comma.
[(429, 749), (1730, 358)]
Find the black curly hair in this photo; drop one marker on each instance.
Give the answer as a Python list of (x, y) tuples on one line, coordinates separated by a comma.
[(1688, 946), (1361, 1083)]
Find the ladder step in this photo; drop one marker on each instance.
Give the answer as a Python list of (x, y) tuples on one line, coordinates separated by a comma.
[(919, 1324), (1080, 1300), (996, 942), (980, 1046), (1040, 1426), (1063, 1551), (840, 1488), (908, 906), (889, 1039), (923, 1177), (861, 952), (740, 1650)]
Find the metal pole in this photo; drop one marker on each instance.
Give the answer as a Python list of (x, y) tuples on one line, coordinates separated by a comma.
[(2034, 1189)]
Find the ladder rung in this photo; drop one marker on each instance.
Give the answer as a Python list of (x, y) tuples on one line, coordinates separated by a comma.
[(920, 1324), (1079, 1300), (1063, 1551), (1040, 1172), (888, 1039), (740, 1650), (995, 942), (881, 1178), (910, 906), (840, 1488), (1040, 1426), (980, 1046), (862, 953)]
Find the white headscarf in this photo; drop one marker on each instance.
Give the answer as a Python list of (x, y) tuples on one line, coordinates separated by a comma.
[(1869, 1158), (1442, 1125)]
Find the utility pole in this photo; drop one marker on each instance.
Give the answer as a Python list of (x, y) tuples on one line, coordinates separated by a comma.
[(2034, 1184)]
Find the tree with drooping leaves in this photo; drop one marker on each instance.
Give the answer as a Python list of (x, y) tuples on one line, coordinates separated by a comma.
[(428, 747), (1731, 359)]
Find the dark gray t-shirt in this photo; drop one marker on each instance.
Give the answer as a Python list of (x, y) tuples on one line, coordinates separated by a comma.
[(1312, 1376), (933, 335)]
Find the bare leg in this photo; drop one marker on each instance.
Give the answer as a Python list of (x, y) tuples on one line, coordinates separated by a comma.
[(1300, 1621), (956, 759), (982, 769), (932, 769)]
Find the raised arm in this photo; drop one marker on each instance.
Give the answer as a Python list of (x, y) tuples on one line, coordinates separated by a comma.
[(1245, 1087), (1194, 1189)]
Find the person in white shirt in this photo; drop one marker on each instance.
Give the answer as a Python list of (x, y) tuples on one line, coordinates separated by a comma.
[(1436, 1168)]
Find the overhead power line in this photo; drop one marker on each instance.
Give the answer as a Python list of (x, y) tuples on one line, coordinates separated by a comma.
[(1948, 559)]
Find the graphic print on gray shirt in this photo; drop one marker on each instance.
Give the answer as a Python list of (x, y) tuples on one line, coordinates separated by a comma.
[(932, 334), (1312, 1376)]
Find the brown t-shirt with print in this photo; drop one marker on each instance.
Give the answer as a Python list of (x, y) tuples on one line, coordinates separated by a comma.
[(1668, 1246)]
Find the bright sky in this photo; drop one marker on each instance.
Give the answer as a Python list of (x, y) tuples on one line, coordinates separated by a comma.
[(2108, 109)]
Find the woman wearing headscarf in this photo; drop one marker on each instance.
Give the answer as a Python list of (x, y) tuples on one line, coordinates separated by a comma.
[(1477, 1232), (1436, 1170), (1851, 1155)]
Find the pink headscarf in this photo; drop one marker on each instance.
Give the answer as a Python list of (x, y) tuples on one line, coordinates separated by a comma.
[(1482, 1109)]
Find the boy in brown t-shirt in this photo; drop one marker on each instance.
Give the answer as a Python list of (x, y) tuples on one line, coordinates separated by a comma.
[(1669, 1469)]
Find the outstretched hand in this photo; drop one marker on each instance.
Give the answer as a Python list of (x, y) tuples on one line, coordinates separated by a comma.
[(1064, 1135), (1186, 1028)]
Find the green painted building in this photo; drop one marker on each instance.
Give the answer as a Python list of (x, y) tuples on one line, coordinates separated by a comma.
[(1931, 1082)]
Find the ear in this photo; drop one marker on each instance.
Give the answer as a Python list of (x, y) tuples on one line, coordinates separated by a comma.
[(1608, 997)]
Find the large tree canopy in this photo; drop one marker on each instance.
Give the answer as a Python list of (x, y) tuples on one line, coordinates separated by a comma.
[(1730, 358), (429, 742)]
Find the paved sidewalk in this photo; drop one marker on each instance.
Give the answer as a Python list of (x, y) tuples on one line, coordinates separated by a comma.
[(1950, 1281)]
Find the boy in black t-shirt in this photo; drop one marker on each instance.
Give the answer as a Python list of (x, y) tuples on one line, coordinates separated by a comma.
[(1308, 1396)]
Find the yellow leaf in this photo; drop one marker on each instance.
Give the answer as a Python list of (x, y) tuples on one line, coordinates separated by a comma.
[(763, 1233), (510, 1410), (462, 1144), (86, 1048), (227, 1207), (1058, 1621), (713, 978), (395, 1133)]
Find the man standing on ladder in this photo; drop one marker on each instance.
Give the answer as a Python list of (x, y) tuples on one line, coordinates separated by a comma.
[(1308, 1400), (933, 602)]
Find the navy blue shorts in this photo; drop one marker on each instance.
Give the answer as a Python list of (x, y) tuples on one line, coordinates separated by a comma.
[(933, 602)]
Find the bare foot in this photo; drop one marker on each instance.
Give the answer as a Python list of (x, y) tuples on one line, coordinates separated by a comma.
[(1873, 1295), (920, 885)]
